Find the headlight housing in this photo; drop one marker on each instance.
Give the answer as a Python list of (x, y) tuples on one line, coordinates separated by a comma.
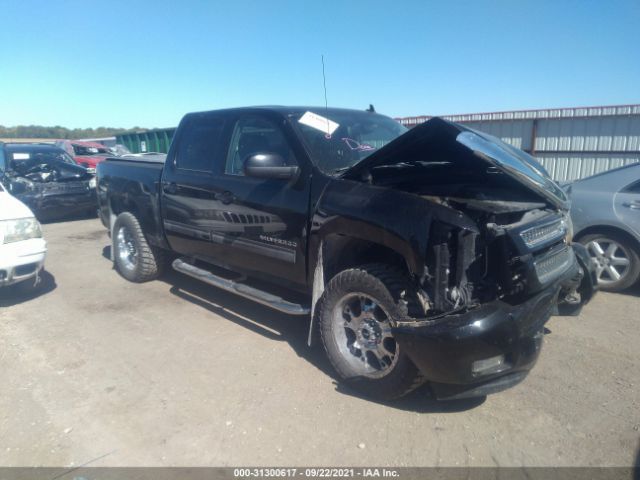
[(19, 230), (568, 225)]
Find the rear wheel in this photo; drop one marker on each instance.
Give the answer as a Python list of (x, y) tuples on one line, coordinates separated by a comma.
[(134, 258), (616, 259), (355, 313)]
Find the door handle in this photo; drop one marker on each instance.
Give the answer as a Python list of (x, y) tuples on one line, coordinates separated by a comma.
[(226, 197), (635, 205), (169, 187)]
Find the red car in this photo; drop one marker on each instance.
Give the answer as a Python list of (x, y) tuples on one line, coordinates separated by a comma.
[(87, 154)]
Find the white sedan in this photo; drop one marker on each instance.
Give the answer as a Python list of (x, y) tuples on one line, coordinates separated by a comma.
[(22, 248)]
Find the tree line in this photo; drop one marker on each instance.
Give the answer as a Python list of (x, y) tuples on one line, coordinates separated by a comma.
[(38, 131)]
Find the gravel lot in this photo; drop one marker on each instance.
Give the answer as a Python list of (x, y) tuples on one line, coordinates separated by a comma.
[(99, 370)]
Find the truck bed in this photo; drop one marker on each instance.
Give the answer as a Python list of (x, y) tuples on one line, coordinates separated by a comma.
[(145, 158)]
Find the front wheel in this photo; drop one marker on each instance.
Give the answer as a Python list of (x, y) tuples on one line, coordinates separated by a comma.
[(134, 258), (355, 314)]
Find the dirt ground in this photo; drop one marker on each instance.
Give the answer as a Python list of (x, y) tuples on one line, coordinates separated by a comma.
[(99, 371)]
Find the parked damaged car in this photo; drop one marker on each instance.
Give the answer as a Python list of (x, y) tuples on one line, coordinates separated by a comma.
[(430, 255), (47, 180), (86, 154), (605, 209)]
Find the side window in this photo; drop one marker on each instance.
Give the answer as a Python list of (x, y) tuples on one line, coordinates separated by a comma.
[(200, 144), (633, 188), (253, 135)]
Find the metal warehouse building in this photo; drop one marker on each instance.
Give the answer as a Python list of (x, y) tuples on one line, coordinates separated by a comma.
[(571, 143)]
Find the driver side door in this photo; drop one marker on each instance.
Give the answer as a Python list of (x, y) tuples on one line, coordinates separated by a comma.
[(265, 219)]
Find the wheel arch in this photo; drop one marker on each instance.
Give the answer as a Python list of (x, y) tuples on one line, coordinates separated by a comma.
[(119, 205), (336, 252), (145, 211), (611, 229), (347, 251)]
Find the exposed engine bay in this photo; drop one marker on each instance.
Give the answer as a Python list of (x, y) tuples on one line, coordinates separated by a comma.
[(521, 242)]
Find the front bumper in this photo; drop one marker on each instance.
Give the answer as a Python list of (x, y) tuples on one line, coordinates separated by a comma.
[(21, 261), (488, 348), (60, 199)]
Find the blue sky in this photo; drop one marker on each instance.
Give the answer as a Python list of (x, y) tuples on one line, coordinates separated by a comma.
[(146, 63)]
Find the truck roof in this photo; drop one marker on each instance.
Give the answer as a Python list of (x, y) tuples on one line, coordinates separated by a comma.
[(284, 110)]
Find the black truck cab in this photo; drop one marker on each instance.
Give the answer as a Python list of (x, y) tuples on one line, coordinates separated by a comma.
[(435, 254)]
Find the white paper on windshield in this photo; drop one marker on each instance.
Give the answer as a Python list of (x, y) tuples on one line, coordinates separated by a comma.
[(318, 122), (21, 156)]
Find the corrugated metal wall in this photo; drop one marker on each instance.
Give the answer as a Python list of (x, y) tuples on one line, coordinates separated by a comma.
[(571, 143)]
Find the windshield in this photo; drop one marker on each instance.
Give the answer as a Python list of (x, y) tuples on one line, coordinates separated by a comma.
[(23, 161), (338, 140)]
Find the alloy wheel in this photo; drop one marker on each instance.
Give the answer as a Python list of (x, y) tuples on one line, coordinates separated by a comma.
[(127, 252), (611, 260), (362, 331)]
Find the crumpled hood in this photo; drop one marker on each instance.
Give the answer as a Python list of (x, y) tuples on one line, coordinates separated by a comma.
[(486, 148), (54, 172), (69, 172), (12, 208)]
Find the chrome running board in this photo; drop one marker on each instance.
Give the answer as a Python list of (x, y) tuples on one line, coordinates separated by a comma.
[(259, 296)]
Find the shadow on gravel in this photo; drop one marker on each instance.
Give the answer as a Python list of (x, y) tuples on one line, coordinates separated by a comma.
[(293, 330), (634, 290), (24, 291), (420, 401), (70, 217), (636, 465)]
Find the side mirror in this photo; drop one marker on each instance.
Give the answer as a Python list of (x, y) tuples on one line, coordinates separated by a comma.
[(268, 165)]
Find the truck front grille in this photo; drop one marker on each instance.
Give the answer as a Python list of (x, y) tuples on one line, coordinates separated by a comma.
[(544, 233), (552, 264)]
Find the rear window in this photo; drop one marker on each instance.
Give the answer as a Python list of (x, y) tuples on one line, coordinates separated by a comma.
[(199, 145)]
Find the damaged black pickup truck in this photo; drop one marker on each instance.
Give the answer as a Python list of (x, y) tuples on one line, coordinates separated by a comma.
[(430, 255)]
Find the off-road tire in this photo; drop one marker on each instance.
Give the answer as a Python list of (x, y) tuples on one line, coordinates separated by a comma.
[(390, 287), (151, 261)]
